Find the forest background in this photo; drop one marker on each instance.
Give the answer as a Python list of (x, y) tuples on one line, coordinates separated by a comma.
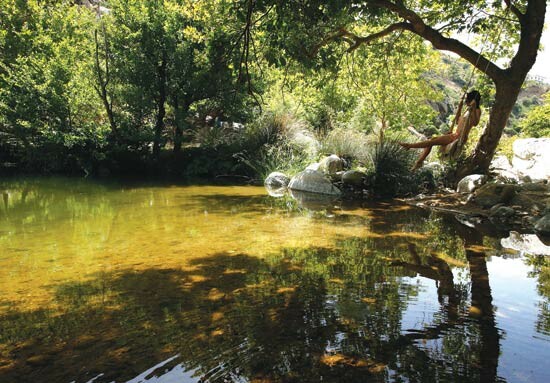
[(173, 88)]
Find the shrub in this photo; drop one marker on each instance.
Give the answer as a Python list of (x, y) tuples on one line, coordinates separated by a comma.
[(389, 173)]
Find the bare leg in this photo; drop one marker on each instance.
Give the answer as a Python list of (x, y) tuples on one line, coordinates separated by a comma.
[(422, 157)]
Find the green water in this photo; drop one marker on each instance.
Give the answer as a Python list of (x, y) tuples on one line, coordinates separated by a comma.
[(141, 282)]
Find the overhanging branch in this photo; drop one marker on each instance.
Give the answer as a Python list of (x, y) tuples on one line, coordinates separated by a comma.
[(356, 41), (440, 42)]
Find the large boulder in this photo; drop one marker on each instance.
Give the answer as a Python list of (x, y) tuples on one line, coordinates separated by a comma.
[(313, 166), (314, 182), (331, 164), (502, 169), (470, 183), (492, 194), (313, 201), (531, 158)]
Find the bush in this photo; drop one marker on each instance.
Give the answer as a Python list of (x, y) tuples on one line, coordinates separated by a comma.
[(389, 173)]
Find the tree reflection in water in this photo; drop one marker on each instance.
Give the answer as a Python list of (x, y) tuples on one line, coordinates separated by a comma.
[(301, 315)]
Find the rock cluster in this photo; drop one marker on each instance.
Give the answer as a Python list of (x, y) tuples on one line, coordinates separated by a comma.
[(327, 177)]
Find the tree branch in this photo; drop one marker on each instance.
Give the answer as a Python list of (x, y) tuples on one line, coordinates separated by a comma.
[(515, 11), (420, 28), (356, 41)]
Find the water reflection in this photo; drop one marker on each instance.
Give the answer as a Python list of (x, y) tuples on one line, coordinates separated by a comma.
[(393, 295)]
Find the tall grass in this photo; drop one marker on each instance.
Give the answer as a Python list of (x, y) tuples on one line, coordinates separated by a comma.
[(269, 145), (348, 143)]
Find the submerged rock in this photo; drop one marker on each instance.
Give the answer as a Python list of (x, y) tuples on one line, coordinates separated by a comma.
[(313, 201), (314, 182)]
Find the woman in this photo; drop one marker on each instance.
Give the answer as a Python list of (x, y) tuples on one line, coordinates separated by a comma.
[(465, 122)]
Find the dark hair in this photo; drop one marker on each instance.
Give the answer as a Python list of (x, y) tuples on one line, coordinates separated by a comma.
[(474, 95)]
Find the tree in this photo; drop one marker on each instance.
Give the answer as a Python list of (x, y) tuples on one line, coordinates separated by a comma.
[(513, 32), (48, 113)]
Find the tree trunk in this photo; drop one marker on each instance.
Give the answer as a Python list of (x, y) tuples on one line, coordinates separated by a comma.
[(483, 310), (180, 116), (506, 95), (103, 79), (161, 100)]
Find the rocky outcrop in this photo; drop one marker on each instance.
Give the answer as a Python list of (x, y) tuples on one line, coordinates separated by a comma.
[(314, 182)]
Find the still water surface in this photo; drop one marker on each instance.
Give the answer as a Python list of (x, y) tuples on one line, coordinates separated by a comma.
[(128, 282)]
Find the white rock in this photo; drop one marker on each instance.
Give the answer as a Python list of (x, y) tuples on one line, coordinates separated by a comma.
[(531, 158), (500, 163), (331, 164), (314, 182), (470, 183), (503, 170)]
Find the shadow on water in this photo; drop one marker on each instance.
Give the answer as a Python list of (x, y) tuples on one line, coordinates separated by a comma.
[(304, 315)]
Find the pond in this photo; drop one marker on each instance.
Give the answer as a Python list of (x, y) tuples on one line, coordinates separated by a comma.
[(150, 282)]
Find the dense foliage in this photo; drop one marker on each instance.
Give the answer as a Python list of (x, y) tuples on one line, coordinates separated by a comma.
[(97, 87)]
